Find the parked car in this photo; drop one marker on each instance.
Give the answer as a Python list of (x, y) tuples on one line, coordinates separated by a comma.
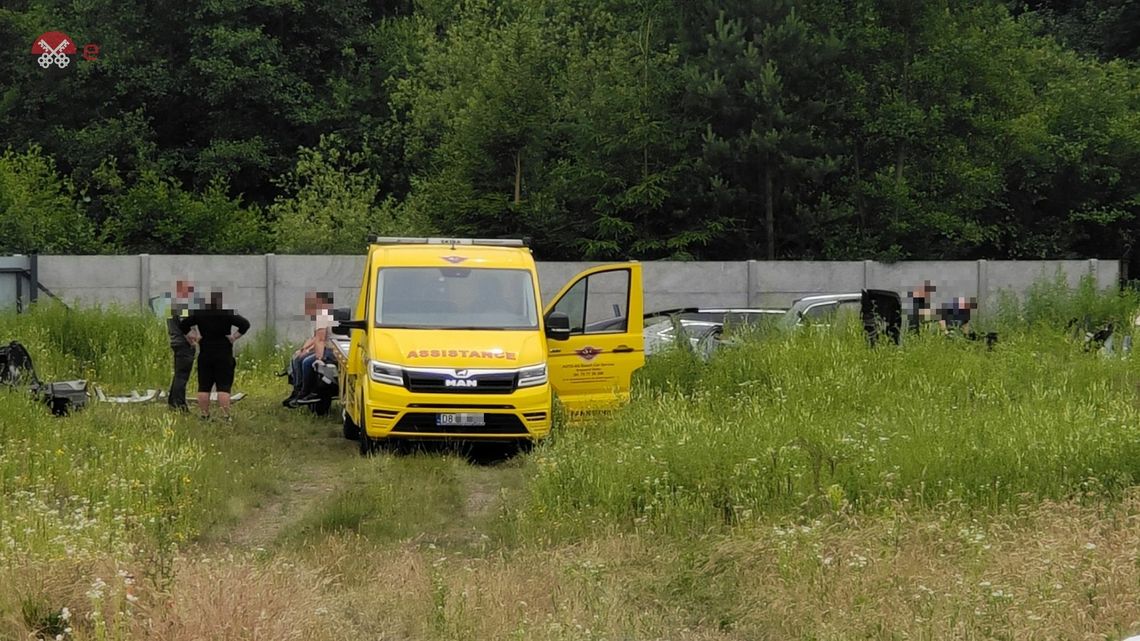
[(821, 309), (703, 326)]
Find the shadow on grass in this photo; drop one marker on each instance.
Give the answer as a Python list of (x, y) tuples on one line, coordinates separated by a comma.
[(475, 453)]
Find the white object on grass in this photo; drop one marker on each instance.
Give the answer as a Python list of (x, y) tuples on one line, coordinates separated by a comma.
[(214, 396), (134, 397)]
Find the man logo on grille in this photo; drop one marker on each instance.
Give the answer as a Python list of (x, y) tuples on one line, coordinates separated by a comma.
[(56, 47)]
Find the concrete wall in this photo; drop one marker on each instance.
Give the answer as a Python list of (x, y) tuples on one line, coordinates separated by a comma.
[(94, 280), (269, 290)]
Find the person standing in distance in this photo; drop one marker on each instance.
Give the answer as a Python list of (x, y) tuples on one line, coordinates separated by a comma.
[(216, 362), (183, 345)]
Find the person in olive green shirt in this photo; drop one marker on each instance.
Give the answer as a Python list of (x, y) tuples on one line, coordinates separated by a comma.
[(183, 345)]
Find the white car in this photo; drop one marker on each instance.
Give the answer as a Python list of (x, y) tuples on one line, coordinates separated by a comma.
[(702, 326), (821, 309)]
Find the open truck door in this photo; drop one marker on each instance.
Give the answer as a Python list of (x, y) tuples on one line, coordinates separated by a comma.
[(595, 339), (882, 313)]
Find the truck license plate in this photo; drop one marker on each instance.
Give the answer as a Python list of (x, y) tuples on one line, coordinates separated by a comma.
[(466, 419)]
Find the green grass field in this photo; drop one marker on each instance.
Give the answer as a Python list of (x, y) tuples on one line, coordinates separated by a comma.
[(795, 487)]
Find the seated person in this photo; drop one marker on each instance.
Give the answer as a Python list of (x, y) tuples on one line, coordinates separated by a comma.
[(956, 316), (318, 349)]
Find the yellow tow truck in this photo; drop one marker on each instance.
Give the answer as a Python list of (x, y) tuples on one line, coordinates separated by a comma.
[(449, 339)]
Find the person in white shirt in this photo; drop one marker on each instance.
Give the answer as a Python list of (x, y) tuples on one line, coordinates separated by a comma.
[(315, 351)]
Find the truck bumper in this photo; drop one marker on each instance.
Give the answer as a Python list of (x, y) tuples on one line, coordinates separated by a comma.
[(394, 412)]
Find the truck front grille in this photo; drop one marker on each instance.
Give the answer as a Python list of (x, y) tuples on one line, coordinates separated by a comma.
[(439, 383)]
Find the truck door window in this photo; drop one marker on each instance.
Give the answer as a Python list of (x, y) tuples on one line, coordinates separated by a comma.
[(573, 304), (599, 303)]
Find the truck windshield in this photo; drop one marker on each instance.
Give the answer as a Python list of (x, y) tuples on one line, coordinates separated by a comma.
[(455, 298)]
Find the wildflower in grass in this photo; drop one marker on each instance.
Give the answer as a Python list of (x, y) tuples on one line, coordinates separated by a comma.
[(96, 591)]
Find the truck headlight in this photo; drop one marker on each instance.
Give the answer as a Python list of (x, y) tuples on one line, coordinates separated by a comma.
[(385, 373), (531, 376)]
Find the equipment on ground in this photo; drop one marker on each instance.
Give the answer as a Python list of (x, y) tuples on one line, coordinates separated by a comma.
[(134, 397), (17, 370)]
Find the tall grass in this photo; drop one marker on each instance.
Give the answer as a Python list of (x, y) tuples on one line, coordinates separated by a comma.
[(104, 482), (914, 476), (120, 347), (120, 480), (816, 422), (1053, 303)]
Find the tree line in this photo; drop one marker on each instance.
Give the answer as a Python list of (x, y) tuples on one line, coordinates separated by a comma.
[(602, 129)]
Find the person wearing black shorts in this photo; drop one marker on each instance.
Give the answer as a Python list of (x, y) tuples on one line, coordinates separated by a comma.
[(216, 362)]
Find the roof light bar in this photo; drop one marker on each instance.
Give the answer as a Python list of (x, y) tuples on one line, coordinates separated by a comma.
[(407, 240)]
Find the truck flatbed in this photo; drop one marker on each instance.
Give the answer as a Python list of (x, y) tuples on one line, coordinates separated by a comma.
[(341, 345)]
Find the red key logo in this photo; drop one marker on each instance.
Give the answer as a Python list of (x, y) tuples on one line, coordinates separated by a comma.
[(56, 47)]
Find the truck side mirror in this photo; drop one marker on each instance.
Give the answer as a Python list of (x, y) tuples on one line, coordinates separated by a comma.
[(343, 328), (558, 326)]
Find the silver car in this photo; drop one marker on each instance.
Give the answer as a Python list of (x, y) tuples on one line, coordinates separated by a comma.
[(821, 309), (703, 327)]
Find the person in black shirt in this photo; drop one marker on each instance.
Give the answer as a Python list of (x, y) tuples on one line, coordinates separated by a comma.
[(957, 315), (216, 351)]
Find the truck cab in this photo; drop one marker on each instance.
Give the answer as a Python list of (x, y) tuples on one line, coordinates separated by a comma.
[(449, 339)]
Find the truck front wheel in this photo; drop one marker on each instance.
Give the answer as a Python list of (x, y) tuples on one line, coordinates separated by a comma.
[(367, 445), (351, 429)]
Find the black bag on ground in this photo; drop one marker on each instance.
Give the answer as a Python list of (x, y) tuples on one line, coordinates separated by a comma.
[(16, 365)]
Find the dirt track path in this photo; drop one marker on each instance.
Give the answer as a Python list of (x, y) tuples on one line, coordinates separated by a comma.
[(321, 473), (315, 482)]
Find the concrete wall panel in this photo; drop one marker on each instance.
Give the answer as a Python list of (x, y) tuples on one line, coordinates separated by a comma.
[(779, 283), (269, 290), (1016, 276), (89, 281), (950, 279)]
